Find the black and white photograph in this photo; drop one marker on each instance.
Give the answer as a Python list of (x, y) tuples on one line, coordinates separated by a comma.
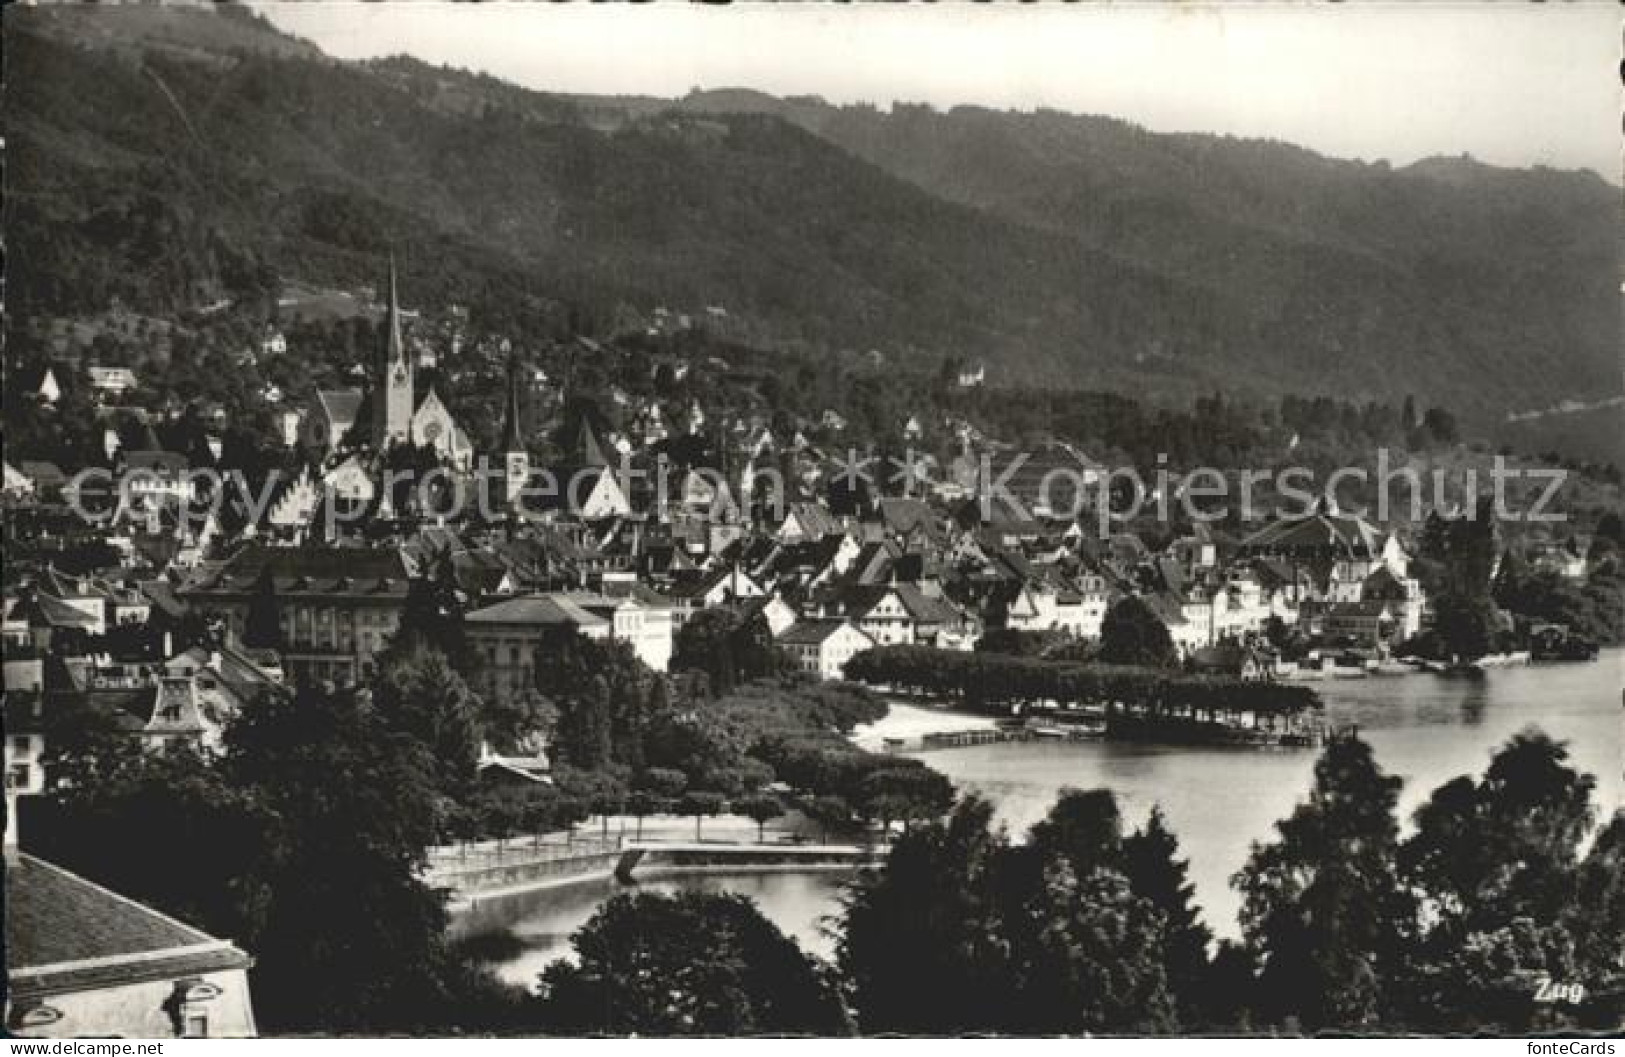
[(832, 520)]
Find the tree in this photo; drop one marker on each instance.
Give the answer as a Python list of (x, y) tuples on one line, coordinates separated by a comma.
[(705, 644), (687, 964), (729, 646), (432, 614), (1083, 827), (418, 693), (262, 624), (1322, 904), (700, 805), (1095, 962), (85, 747), (602, 694), (664, 782), (641, 803), (165, 828), (1133, 634), (761, 810), (353, 939), (1149, 858), (904, 794), (1486, 853), (919, 946), (518, 723), (602, 792), (829, 812), (1597, 920), (1496, 866)]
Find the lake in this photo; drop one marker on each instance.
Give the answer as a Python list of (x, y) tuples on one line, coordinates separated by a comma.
[(1427, 729)]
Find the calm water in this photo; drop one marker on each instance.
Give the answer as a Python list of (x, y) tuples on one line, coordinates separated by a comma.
[(541, 922), (1426, 729)]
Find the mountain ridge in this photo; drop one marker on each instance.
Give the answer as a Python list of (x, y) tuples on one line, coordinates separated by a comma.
[(1060, 249)]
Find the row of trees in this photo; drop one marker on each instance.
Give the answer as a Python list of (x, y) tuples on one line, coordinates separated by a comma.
[(1489, 916), (991, 680)]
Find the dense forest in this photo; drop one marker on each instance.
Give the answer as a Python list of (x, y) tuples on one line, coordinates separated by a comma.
[(176, 163)]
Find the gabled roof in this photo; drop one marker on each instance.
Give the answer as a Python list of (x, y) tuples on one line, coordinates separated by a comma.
[(347, 571), (44, 611), (901, 515), (156, 461), (340, 406), (1323, 529), (65, 933), (42, 473), (1383, 583), (814, 518), (923, 608), (643, 594), (548, 610), (813, 632)]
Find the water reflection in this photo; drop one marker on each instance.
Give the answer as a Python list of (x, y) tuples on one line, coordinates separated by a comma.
[(538, 925)]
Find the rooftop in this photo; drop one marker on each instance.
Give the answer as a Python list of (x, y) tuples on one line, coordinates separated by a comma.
[(64, 932)]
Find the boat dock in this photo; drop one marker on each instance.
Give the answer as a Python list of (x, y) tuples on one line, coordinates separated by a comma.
[(960, 739)]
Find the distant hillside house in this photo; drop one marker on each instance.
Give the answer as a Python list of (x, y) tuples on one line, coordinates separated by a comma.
[(111, 381)]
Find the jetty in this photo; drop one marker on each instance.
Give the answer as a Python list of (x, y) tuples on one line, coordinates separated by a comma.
[(1030, 731)]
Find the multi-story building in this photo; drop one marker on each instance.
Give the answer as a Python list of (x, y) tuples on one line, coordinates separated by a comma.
[(338, 606), (822, 647), (508, 635)]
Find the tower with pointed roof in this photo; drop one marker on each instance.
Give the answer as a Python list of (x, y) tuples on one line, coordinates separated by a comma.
[(515, 458), (392, 402)]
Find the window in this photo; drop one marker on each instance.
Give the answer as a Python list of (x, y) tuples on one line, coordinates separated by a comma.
[(18, 777), (21, 745), (197, 1026)]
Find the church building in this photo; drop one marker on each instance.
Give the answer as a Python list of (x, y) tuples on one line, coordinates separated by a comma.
[(391, 411)]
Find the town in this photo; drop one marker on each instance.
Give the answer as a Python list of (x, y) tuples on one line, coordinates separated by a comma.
[(502, 542), (151, 609)]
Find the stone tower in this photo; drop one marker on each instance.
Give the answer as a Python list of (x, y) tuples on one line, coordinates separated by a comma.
[(392, 397)]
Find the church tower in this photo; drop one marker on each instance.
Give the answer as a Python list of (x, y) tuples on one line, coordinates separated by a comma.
[(392, 397), (515, 459)]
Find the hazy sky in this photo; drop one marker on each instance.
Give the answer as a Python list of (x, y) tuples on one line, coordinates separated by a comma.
[(1509, 83)]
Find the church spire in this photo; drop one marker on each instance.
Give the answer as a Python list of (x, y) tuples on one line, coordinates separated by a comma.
[(512, 432), (393, 399), (395, 347)]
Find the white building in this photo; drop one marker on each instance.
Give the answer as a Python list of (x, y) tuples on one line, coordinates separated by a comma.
[(822, 647)]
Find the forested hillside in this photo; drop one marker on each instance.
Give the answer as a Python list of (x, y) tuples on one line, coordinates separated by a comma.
[(196, 155)]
